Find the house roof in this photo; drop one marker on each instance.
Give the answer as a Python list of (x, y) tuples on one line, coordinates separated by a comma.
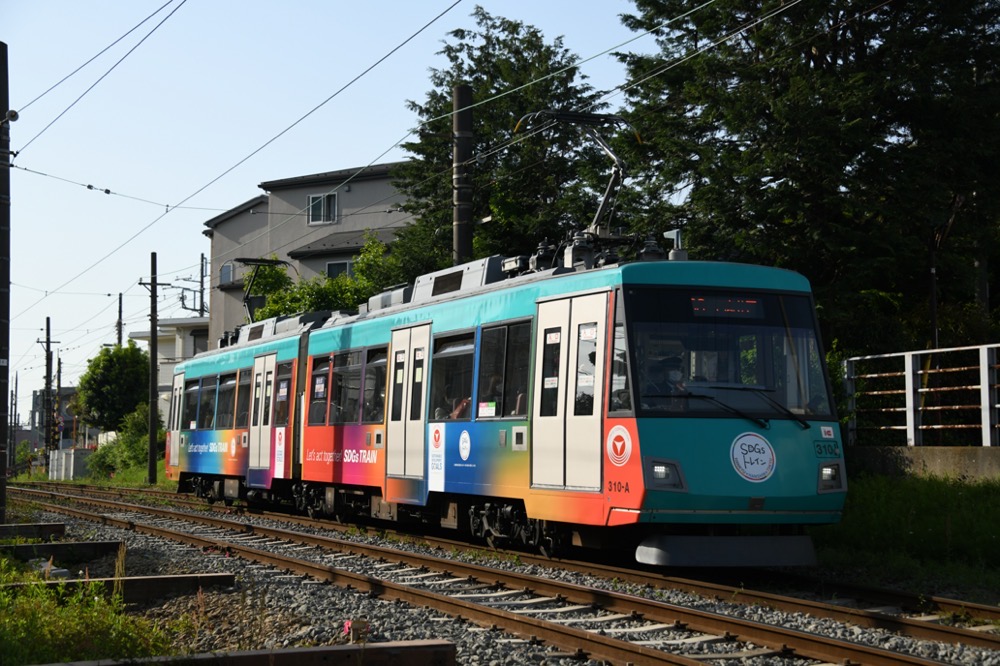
[(342, 241), (374, 171), (259, 200)]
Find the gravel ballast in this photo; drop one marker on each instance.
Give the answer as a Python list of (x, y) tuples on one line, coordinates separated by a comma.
[(270, 609)]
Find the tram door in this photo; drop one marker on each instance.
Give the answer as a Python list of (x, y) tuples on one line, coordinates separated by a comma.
[(260, 417), (407, 401), (568, 397), (174, 422)]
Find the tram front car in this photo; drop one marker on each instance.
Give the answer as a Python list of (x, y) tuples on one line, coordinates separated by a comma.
[(741, 448)]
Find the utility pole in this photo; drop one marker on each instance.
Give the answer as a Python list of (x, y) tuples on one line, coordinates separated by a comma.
[(154, 371), (8, 115), (120, 325), (460, 183), (201, 306), (47, 397), (58, 408)]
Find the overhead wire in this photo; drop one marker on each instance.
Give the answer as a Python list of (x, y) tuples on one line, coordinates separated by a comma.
[(241, 161), (103, 76)]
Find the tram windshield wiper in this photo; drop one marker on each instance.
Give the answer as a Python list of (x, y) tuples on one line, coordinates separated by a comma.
[(763, 394), (763, 423)]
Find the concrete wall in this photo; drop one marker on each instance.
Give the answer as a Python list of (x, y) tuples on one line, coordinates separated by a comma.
[(972, 462)]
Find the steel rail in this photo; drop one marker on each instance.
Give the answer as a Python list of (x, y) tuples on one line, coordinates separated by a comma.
[(780, 640)]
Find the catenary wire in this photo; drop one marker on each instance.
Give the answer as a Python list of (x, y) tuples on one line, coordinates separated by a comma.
[(102, 77)]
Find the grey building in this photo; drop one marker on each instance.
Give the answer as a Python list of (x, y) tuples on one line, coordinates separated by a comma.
[(315, 223)]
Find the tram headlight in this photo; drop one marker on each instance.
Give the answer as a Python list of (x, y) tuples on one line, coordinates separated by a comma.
[(663, 474), (829, 477)]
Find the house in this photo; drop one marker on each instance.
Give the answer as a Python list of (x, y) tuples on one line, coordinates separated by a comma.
[(177, 340), (316, 224)]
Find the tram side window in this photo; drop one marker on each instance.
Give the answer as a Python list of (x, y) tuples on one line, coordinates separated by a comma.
[(268, 389), (417, 384), (451, 383), (283, 395), (345, 390), (190, 412), (319, 391), (206, 400), (503, 371), (621, 396), (398, 377), (550, 372), (243, 399), (227, 399), (173, 410), (374, 386), (586, 355)]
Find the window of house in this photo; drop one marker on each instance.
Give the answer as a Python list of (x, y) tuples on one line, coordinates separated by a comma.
[(335, 268), (226, 273), (323, 208)]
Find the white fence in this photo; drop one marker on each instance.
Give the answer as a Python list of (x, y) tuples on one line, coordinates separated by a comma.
[(934, 397)]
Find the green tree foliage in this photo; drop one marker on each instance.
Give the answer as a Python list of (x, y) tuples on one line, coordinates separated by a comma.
[(373, 271), (115, 382), (533, 189), (853, 143), (130, 449)]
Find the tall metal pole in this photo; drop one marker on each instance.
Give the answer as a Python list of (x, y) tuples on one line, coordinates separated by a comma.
[(7, 116), (461, 186), (154, 380)]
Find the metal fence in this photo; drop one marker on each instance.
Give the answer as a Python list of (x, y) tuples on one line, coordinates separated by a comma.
[(934, 397)]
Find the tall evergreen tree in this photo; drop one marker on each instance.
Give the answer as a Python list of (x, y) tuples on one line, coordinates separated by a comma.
[(531, 186), (852, 142)]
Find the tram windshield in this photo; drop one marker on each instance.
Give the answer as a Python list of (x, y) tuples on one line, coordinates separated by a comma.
[(708, 352)]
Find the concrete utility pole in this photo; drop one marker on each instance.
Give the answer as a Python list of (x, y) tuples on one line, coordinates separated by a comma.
[(8, 115), (120, 325), (47, 397), (460, 183), (154, 371)]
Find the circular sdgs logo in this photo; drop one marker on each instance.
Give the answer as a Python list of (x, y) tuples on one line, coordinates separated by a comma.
[(436, 437), (753, 457), (464, 445), (619, 446)]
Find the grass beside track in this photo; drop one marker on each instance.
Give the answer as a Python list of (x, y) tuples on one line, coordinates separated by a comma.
[(926, 534)]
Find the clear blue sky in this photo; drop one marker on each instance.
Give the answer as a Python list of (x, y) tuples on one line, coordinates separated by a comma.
[(212, 84)]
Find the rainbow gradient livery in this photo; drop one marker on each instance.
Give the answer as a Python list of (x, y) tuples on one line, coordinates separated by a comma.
[(678, 408)]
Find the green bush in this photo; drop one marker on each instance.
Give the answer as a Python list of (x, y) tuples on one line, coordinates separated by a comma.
[(130, 449), (39, 625)]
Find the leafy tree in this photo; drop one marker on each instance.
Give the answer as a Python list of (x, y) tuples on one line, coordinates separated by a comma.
[(855, 144), (533, 189), (373, 272), (130, 448), (115, 383)]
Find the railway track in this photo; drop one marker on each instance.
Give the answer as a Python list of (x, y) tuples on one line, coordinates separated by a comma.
[(864, 606), (583, 621)]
